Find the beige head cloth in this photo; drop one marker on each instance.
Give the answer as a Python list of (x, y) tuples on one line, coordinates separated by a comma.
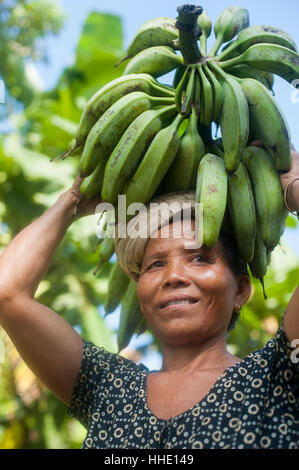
[(130, 250)]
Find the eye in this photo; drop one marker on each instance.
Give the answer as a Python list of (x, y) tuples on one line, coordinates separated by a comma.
[(199, 257), (153, 265)]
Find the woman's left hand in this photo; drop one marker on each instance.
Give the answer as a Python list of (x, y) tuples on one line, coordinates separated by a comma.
[(288, 177)]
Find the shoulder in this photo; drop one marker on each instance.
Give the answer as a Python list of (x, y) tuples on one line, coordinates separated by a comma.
[(100, 359), (271, 365)]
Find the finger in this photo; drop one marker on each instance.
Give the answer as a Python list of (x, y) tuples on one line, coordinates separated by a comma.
[(77, 182), (75, 188)]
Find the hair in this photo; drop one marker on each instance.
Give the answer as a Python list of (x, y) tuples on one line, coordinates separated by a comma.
[(236, 264)]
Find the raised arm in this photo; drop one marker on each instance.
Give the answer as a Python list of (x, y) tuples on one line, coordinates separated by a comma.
[(51, 348), (290, 185)]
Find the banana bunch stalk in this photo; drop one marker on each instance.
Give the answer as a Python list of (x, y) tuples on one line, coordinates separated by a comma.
[(140, 137)]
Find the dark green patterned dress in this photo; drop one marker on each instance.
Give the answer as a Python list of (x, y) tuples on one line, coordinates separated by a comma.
[(254, 404)]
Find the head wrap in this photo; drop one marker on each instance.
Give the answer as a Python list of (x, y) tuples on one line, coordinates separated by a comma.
[(130, 250)]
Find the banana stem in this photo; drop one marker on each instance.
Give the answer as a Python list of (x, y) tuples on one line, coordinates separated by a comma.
[(216, 46), (203, 43), (188, 31), (65, 154), (226, 52), (157, 101), (230, 62), (215, 66)]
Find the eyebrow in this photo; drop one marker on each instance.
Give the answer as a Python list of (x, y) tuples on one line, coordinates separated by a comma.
[(165, 252)]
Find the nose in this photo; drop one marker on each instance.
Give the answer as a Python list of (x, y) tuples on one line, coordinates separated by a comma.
[(175, 275)]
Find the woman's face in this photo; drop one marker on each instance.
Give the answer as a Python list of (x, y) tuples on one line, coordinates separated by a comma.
[(202, 276)]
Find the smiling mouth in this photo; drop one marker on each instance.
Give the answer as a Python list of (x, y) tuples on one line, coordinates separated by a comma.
[(180, 303)]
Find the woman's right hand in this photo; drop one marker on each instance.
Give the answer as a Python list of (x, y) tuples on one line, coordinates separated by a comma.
[(81, 205)]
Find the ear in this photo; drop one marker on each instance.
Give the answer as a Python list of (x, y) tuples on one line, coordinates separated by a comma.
[(244, 290)]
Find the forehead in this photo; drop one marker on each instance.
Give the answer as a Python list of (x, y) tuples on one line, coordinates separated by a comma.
[(183, 230), (178, 235)]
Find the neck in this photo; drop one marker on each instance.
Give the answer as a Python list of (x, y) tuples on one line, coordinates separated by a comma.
[(210, 354)]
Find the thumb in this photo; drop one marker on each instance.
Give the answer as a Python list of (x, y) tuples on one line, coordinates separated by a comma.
[(77, 183)]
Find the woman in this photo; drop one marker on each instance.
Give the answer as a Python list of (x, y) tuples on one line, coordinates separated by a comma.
[(203, 397)]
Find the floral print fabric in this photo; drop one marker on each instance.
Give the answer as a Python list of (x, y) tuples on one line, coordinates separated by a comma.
[(254, 404)]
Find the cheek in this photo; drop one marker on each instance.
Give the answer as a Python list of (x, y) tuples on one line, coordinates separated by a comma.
[(215, 280), (143, 293)]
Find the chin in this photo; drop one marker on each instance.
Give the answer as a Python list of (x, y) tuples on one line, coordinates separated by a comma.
[(180, 335)]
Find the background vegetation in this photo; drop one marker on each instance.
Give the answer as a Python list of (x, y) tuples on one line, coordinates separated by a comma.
[(40, 126)]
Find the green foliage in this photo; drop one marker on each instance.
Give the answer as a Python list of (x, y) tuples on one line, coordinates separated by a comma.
[(31, 416), (23, 24)]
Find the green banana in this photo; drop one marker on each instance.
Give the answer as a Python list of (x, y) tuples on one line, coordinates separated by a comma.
[(197, 93), (215, 149), (206, 103), (268, 194), (219, 143), (130, 149), (183, 171), (157, 32), (228, 24), (142, 326), (227, 226), (108, 95), (205, 26), (117, 284), (269, 58), (107, 131), (106, 251), (92, 184), (234, 119), (211, 191), (269, 257), (187, 102), (257, 35), (155, 164), (217, 93), (130, 316), (181, 89), (259, 264), (269, 77), (268, 122), (179, 72), (156, 61), (244, 71), (242, 211)]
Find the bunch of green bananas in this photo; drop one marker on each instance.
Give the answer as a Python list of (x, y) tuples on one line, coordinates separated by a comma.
[(123, 291), (140, 137)]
